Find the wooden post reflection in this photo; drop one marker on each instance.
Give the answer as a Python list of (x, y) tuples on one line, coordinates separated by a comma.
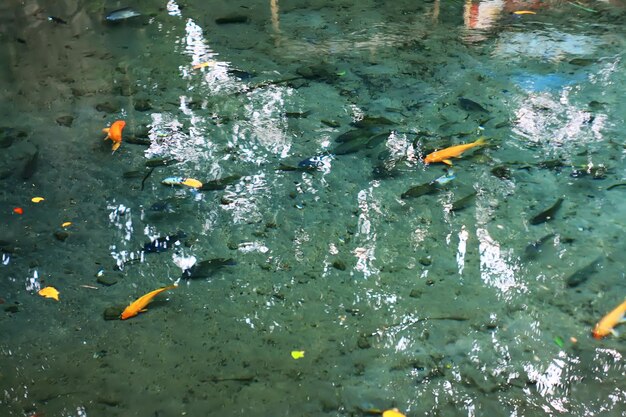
[(275, 21)]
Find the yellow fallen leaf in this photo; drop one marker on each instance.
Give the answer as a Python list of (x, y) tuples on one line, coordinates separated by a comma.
[(37, 199), (518, 12), (297, 354), (394, 412), (66, 224), (49, 292), (190, 182)]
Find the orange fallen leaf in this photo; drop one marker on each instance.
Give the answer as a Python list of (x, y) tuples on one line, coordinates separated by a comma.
[(18, 210), (49, 292)]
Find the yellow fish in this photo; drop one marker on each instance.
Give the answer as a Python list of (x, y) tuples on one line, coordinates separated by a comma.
[(139, 305), (608, 322), (444, 155)]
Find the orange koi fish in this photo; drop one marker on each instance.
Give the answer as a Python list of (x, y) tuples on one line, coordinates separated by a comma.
[(139, 305), (444, 155), (115, 133), (608, 322)]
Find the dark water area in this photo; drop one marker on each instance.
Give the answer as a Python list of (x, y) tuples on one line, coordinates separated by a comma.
[(279, 165)]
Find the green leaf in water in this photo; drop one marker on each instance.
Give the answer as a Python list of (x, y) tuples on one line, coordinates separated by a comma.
[(558, 341)]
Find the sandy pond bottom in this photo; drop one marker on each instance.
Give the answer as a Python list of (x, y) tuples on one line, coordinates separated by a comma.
[(412, 303)]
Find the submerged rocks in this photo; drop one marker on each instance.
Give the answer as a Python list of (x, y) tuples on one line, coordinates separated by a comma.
[(143, 105), (107, 107), (66, 120), (113, 312)]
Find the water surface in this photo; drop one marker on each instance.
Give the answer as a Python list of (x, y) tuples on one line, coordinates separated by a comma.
[(423, 303)]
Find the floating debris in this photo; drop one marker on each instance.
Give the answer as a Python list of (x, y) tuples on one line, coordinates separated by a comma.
[(620, 184), (37, 199)]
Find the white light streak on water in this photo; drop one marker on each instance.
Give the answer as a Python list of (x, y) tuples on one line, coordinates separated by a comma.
[(462, 249), (173, 9), (32, 283), (496, 269)]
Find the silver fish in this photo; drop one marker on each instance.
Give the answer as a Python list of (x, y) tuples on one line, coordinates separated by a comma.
[(122, 14)]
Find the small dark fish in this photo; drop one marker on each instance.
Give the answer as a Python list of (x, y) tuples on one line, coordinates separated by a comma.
[(160, 162), (352, 146), (553, 164), (205, 269), (420, 190), (583, 273), (220, 183), (533, 249), (162, 206), (502, 172), (242, 75), (470, 105), (376, 140), (232, 19), (582, 62), (285, 167), (312, 163), (330, 123), (298, 115), (368, 122), (133, 174), (57, 20), (122, 14), (30, 166), (548, 214), (464, 202), (351, 135), (162, 244)]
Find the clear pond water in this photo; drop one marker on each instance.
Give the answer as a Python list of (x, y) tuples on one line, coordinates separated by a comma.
[(473, 295)]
